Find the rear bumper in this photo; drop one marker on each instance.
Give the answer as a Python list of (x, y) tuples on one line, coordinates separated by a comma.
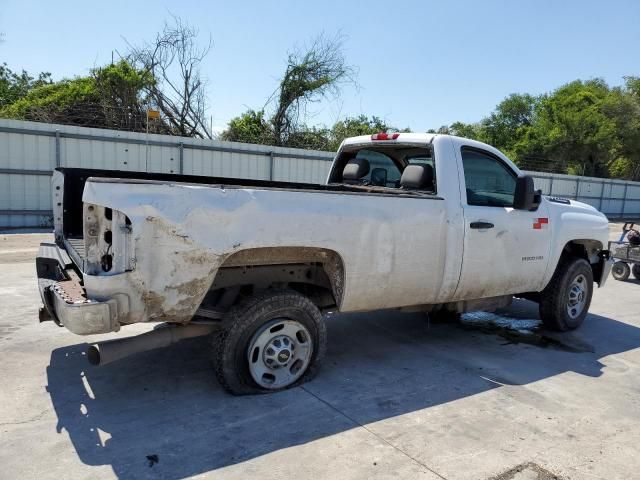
[(64, 296)]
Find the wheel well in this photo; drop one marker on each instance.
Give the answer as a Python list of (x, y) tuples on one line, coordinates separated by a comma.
[(315, 272), (587, 249)]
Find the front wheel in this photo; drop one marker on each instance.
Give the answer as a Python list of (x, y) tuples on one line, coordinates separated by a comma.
[(275, 340), (636, 270), (564, 303)]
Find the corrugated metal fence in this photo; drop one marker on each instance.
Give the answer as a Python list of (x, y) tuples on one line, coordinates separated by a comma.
[(29, 151), (614, 198)]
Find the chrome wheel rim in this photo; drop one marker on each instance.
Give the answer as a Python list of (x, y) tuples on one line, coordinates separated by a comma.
[(577, 300), (279, 353)]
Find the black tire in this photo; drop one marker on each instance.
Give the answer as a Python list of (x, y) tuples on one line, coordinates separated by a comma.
[(636, 270), (230, 346), (554, 300), (621, 270)]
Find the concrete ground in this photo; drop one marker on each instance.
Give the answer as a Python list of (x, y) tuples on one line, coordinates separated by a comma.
[(396, 398)]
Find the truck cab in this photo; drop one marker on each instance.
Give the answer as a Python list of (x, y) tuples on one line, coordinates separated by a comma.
[(503, 236)]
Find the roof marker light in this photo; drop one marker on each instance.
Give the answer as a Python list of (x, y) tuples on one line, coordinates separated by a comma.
[(385, 136)]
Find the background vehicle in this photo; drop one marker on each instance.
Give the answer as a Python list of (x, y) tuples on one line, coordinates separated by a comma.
[(405, 221), (626, 255)]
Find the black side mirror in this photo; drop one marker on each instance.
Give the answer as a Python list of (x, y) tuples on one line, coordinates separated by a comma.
[(525, 197)]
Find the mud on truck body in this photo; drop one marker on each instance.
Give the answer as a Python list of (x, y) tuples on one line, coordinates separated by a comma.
[(405, 221)]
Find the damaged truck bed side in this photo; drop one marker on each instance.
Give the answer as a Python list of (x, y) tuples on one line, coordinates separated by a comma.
[(412, 221)]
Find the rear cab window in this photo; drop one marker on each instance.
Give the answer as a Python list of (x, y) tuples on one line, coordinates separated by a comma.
[(383, 170), (386, 164)]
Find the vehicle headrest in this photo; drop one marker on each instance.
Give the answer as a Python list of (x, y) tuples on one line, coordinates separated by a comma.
[(355, 169), (417, 177)]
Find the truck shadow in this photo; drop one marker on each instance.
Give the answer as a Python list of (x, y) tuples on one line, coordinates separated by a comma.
[(162, 413)]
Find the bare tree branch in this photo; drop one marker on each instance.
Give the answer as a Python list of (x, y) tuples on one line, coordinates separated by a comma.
[(312, 74), (174, 59)]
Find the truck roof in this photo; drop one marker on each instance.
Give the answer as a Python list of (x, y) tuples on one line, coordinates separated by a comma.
[(404, 137), (423, 138)]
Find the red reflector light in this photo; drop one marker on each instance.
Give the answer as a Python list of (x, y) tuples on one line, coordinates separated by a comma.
[(385, 136)]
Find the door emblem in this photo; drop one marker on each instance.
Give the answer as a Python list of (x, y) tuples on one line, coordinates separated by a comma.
[(540, 223)]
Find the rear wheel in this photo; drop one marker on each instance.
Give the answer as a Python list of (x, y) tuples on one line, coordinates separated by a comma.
[(636, 270), (564, 303), (275, 340), (621, 270)]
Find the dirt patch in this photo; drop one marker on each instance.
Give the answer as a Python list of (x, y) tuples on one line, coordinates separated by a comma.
[(182, 311)]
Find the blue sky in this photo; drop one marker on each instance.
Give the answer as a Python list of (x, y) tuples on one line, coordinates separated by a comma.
[(421, 64)]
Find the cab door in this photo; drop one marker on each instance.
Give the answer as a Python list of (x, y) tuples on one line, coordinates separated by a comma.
[(505, 250)]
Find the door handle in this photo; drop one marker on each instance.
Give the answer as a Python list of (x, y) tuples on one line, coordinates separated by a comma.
[(481, 225)]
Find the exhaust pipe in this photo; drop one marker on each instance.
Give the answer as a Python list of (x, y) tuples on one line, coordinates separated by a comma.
[(112, 350)]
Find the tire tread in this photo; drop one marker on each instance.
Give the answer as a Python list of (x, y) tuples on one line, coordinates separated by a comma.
[(552, 305)]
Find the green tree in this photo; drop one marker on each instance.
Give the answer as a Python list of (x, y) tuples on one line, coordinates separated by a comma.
[(250, 127), (311, 138), (110, 97), (583, 127), (509, 123), (573, 130), (623, 107), (14, 86), (122, 96), (311, 75), (466, 130), (253, 127), (354, 126), (69, 101)]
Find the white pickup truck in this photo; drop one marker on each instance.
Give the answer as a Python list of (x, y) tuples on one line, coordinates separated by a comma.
[(405, 221)]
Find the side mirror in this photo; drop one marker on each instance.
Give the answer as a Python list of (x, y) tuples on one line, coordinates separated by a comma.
[(525, 198)]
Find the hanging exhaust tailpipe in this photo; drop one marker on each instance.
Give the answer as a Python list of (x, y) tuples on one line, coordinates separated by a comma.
[(112, 350)]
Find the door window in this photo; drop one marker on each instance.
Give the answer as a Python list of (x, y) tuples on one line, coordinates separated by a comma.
[(489, 182)]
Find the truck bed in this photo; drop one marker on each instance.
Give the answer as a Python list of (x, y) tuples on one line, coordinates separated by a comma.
[(76, 178)]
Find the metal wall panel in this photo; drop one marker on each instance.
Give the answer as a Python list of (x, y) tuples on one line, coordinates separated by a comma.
[(29, 151), (308, 171), (19, 151), (220, 164), (564, 187), (612, 206), (633, 192), (24, 194), (632, 208)]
